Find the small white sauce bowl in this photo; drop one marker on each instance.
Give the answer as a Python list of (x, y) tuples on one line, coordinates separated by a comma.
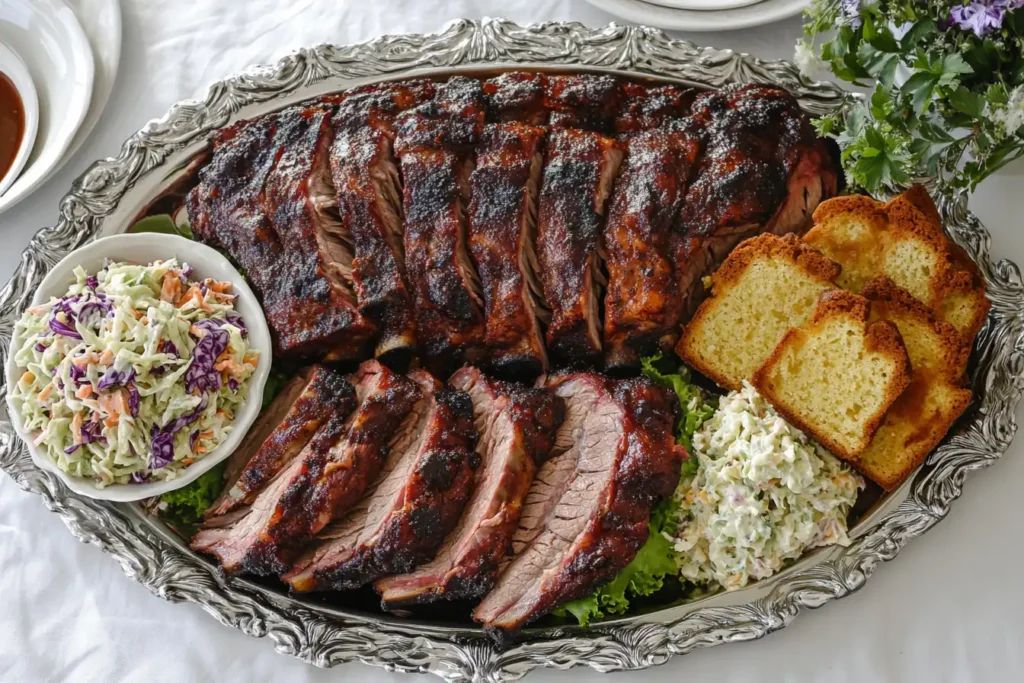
[(15, 69), (146, 248)]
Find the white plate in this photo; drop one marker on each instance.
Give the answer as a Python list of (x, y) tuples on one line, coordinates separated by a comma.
[(146, 248), (17, 72), (701, 20), (703, 5), (101, 21), (48, 38)]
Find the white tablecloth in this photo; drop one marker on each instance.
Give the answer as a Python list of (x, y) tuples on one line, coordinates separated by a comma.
[(949, 609)]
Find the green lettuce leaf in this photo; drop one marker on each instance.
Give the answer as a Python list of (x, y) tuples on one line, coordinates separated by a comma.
[(184, 507), (679, 381)]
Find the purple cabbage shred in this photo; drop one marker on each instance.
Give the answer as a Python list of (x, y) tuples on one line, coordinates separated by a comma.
[(200, 375)]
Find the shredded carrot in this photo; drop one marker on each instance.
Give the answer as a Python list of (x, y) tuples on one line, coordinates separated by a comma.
[(187, 461), (86, 360), (84, 391), (45, 393), (250, 359), (28, 377), (200, 450), (171, 289), (107, 357), (144, 320), (219, 287), (40, 309), (204, 435), (137, 313), (76, 428)]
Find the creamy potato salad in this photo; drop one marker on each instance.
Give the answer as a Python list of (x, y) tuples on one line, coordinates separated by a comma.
[(761, 495)]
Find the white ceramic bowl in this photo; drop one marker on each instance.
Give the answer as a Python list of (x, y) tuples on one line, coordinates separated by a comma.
[(146, 248), (15, 69)]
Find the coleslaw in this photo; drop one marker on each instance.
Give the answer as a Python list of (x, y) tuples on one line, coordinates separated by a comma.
[(133, 375)]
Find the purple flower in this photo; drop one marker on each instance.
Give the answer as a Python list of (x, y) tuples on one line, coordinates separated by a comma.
[(850, 9), (983, 16)]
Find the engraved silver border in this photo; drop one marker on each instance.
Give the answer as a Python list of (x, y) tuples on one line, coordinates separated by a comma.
[(112, 191)]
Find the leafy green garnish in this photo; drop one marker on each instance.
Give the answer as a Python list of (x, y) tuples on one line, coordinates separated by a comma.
[(948, 98), (679, 381), (656, 560), (185, 507), (163, 224)]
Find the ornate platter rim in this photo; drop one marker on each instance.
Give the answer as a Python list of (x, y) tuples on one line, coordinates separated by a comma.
[(113, 190)]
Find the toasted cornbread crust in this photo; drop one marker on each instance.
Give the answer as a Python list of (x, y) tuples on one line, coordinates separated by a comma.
[(936, 397), (889, 236), (706, 331), (838, 380)]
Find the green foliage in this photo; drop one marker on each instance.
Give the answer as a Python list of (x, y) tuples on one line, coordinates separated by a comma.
[(184, 507), (946, 101)]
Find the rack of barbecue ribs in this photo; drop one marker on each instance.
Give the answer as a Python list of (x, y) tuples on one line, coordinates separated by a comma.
[(489, 259), (520, 222)]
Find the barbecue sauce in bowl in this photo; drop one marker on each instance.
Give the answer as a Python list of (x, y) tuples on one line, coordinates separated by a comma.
[(12, 123)]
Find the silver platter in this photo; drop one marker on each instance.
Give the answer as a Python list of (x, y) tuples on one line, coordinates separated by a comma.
[(112, 192)]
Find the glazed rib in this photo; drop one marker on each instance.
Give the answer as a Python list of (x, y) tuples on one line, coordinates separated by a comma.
[(433, 143), (258, 200), (325, 482), (643, 304), (502, 230), (369, 206), (762, 168), (415, 502), (578, 173), (281, 432), (517, 427), (586, 101), (516, 96), (587, 512), (644, 107)]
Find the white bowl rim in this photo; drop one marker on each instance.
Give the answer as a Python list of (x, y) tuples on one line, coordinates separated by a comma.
[(55, 284), (12, 65)]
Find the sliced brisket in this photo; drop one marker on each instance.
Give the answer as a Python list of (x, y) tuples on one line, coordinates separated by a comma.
[(587, 512), (412, 506), (517, 426), (281, 432)]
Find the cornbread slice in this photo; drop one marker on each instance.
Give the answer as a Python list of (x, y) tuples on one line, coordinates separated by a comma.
[(903, 240), (932, 402), (767, 285), (836, 376)]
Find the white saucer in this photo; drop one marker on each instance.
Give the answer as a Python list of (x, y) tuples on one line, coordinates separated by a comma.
[(703, 5), (649, 14), (48, 38), (101, 21), (15, 70)]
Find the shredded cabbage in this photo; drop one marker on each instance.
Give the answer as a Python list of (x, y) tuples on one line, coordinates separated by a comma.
[(134, 374)]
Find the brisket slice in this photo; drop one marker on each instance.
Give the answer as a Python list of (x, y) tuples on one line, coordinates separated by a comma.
[(517, 427), (578, 173), (412, 506), (587, 512), (643, 304), (281, 432), (329, 477), (259, 200), (244, 540), (369, 206), (502, 229), (434, 144)]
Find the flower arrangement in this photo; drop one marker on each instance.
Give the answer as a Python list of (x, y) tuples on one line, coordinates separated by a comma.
[(948, 79)]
